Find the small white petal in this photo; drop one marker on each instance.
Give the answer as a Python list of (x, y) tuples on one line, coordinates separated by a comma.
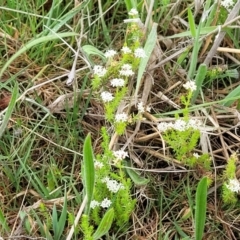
[(140, 107)]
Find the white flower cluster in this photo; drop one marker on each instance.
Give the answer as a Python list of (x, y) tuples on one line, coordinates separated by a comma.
[(126, 50), (121, 117), (126, 70), (99, 70), (190, 85), (117, 82), (140, 53), (112, 185), (179, 125), (233, 185), (227, 3), (141, 108), (110, 53), (120, 154), (107, 96), (106, 203), (98, 164)]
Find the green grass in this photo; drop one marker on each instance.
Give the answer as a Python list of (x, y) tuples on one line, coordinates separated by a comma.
[(42, 187)]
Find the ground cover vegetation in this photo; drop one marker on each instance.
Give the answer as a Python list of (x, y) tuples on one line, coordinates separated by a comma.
[(119, 119)]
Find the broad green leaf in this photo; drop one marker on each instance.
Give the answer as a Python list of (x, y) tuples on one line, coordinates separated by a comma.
[(91, 50), (88, 170), (104, 225), (136, 178), (9, 110), (201, 207), (148, 48)]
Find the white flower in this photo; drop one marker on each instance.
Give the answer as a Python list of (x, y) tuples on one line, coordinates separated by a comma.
[(163, 126), (126, 70), (126, 49), (227, 3), (121, 117), (98, 164), (107, 96), (110, 53), (180, 125), (148, 109), (99, 70), (140, 107), (112, 185), (117, 82), (94, 204), (196, 155), (133, 12), (140, 53), (194, 123), (190, 85), (120, 154), (233, 185), (106, 203)]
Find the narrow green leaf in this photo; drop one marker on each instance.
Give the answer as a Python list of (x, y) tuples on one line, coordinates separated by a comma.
[(148, 48), (55, 222), (201, 207), (58, 225), (9, 110), (88, 170), (138, 180), (191, 23), (63, 218), (105, 224), (231, 97), (203, 31), (201, 73), (35, 42), (3, 222)]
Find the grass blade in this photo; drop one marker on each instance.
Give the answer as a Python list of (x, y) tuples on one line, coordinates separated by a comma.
[(191, 23), (201, 206), (9, 110), (3, 222), (231, 97)]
